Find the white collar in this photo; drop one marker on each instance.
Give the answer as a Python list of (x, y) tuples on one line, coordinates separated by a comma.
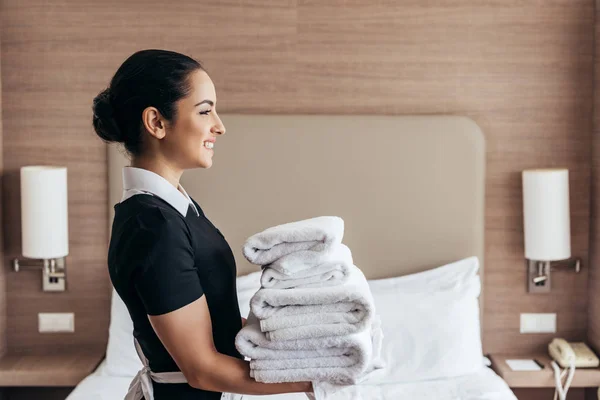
[(138, 179)]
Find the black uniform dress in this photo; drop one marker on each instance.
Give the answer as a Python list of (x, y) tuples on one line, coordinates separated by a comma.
[(160, 261)]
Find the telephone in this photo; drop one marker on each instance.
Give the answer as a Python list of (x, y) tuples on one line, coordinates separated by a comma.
[(579, 353)]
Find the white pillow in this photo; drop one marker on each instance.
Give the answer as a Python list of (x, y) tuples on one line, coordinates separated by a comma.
[(430, 323), (121, 358)]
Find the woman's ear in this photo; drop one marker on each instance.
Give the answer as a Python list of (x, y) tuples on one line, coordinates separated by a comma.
[(154, 122)]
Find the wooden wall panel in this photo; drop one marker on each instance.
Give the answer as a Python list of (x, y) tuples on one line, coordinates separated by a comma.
[(594, 284), (48, 93), (2, 270), (520, 69)]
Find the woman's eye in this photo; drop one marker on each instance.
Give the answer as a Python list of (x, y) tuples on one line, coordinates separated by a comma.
[(205, 112)]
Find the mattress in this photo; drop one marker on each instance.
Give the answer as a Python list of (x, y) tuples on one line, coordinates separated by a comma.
[(485, 385)]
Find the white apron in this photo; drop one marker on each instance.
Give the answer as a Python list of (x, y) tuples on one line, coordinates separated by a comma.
[(141, 385)]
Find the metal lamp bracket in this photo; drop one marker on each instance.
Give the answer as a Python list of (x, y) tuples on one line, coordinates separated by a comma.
[(54, 271), (539, 272)]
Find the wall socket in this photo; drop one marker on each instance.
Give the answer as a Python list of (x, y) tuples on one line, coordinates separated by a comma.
[(56, 322), (538, 323), (52, 284)]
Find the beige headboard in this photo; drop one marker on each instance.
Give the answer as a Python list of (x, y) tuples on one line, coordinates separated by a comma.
[(410, 189)]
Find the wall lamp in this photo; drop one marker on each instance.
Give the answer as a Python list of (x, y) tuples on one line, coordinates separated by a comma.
[(547, 226), (44, 224)]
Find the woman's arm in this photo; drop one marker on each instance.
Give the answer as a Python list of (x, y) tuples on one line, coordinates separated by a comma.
[(186, 333)]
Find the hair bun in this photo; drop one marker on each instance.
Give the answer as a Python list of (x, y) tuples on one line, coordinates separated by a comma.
[(104, 122)]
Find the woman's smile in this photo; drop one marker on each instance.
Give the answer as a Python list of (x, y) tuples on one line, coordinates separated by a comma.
[(209, 146)]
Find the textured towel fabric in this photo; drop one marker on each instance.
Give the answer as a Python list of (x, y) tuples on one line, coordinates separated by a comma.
[(324, 390), (334, 270), (311, 239), (339, 359), (300, 313)]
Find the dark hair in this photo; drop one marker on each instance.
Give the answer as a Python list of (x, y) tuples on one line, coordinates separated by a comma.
[(157, 78)]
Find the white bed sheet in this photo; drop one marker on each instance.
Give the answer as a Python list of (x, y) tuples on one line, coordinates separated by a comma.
[(485, 385)]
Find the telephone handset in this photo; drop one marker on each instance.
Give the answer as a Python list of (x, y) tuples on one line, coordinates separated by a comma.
[(566, 353)]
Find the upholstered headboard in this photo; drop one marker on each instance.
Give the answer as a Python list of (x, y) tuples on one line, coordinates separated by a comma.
[(410, 189)]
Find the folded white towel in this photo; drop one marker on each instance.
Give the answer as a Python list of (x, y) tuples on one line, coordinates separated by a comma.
[(311, 238), (299, 313), (253, 343), (338, 359), (324, 390), (334, 270)]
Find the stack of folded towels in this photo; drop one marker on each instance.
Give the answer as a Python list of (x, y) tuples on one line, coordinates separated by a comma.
[(313, 318)]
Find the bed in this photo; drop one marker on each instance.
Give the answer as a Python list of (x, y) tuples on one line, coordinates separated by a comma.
[(411, 193), (482, 386)]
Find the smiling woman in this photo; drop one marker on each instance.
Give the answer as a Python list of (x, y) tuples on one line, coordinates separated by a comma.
[(154, 93), (170, 265)]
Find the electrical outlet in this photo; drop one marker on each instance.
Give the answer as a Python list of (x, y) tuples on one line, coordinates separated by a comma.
[(52, 284), (56, 322), (538, 323)]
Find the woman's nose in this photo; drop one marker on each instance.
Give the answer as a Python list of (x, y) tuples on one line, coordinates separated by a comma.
[(219, 128)]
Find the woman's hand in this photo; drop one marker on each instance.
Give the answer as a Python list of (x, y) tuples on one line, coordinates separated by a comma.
[(243, 322)]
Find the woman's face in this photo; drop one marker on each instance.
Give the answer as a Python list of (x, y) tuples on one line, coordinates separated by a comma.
[(196, 125)]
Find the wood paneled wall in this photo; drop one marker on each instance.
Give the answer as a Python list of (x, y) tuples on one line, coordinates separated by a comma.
[(48, 84), (521, 69), (3, 307), (594, 284)]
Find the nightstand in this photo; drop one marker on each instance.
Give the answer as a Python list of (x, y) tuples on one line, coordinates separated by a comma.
[(538, 384), (53, 376)]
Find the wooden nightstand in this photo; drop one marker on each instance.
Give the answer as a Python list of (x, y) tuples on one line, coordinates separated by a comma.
[(49, 375), (530, 384)]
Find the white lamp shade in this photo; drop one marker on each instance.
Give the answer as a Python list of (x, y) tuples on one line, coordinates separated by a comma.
[(44, 217), (546, 214)]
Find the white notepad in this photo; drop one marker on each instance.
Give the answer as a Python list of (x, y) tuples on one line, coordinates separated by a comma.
[(523, 365)]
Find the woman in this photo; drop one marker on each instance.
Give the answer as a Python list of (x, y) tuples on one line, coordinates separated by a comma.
[(171, 266)]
